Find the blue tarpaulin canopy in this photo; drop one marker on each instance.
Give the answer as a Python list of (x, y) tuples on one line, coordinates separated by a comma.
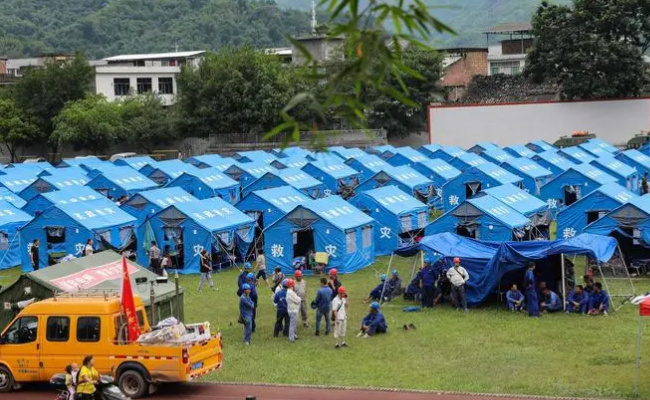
[(121, 181), (497, 156), (576, 155), (553, 161), (487, 262)]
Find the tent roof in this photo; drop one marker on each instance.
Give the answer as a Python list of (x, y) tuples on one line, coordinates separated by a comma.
[(13, 198), (394, 200), (293, 161), (17, 181), (37, 166), (222, 164), (594, 173), (256, 168), (96, 214), (407, 175), (518, 199), (552, 156), (593, 149), (65, 177), (432, 147), (338, 212), (348, 152), (74, 195), (89, 161), (165, 197), (543, 144), (498, 173), (472, 159), (212, 177), (135, 162), (10, 214), (499, 211), (577, 153), (442, 168), (173, 168), (637, 156), (326, 157), (642, 203), (498, 154), (522, 150), (297, 178), (285, 198), (336, 169), (528, 167), (410, 153), (487, 145), (615, 192), (611, 163), (293, 151), (259, 156), (128, 178), (205, 158), (603, 145), (214, 214), (453, 151), (372, 162), (383, 148)]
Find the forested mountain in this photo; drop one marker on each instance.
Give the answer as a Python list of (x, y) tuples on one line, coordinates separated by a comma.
[(109, 27)]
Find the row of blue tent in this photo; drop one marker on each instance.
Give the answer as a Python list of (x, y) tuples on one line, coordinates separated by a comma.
[(498, 194)]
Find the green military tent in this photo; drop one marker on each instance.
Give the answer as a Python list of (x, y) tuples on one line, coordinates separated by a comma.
[(98, 273)]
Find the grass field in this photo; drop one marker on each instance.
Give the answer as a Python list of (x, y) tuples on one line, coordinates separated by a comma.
[(487, 350)]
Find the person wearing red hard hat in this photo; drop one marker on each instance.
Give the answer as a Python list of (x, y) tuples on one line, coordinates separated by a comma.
[(334, 282), (293, 307), (458, 277), (301, 290), (339, 309)]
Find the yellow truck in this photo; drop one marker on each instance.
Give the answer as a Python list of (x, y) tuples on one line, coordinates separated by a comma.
[(48, 335)]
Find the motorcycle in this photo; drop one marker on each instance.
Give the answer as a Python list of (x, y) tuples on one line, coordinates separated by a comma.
[(106, 388)]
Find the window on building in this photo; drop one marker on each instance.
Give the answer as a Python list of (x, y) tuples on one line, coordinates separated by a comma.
[(122, 86), (165, 85), (494, 69), (506, 68), (88, 329), (58, 329), (515, 69), (144, 85), (138, 63)]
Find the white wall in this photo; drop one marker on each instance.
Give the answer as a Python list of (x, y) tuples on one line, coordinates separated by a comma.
[(104, 79), (615, 121)]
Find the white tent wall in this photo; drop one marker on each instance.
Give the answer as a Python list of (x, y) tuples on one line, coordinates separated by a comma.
[(615, 121)]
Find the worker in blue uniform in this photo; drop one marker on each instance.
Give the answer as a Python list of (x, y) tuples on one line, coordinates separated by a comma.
[(550, 301), (428, 276), (530, 291), (598, 300), (578, 301), (282, 313), (515, 299), (241, 278), (375, 294), (374, 322), (246, 309), (250, 280)]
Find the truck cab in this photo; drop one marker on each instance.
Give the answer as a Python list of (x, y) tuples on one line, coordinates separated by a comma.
[(48, 335)]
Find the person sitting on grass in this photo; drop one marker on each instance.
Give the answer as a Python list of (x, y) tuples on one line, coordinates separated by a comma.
[(588, 284), (375, 294), (550, 301), (414, 290), (599, 300), (578, 301), (393, 286), (515, 299), (374, 322)]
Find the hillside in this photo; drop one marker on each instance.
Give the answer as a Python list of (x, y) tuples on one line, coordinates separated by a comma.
[(109, 27)]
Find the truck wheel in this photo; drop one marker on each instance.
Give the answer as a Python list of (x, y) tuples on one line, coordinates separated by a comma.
[(132, 384), (6, 380)]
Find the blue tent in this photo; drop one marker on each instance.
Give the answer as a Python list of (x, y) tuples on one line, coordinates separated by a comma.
[(11, 197), (540, 146), (11, 220), (576, 155), (598, 147), (645, 149), (16, 182), (290, 152), (572, 184), (208, 182), (186, 229), (471, 181), (86, 161), (136, 162), (635, 159), (325, 157), (337, 177), (367, 165), (399, 217), (446, 153), (146, 204), (38, 204), (257, 156), (121, 181), (26, 167), (249, 172), (57, 180), (164, 172), (294, 177), (290, 162), (627, 176), (438, 171), (573, 219), (533, 174), (377, 150), (347, 152), (269, 205), (206, 160), (64, 229), (330, 225), (482, 147), (405, 156), (553, 161), (467, 160), (96, 170), (497, 156), (629, 223), (521, 201), (482, 217), (488, 263), (406, 179), (429, 149), (519, 151)]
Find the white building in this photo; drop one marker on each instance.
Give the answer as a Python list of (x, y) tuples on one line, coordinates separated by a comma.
[(509, 56), (119, 76)]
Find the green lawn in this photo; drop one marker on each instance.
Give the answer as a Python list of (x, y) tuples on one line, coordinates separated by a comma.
[(488, 350)]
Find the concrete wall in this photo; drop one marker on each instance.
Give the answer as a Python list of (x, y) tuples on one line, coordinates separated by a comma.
[(615, 121), (105, 75)]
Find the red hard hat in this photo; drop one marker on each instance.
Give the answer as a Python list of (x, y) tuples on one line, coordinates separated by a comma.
[(342, 290), (456, 260), (291, 283), (298, 274), (334, 271)]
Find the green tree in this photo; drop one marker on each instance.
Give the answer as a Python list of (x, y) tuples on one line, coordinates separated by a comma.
[(593, 50), (92, 123), (16, 129), (43, 92), (146, 122)]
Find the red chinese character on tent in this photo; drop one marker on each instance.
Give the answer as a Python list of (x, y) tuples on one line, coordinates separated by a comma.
[(128, 304)]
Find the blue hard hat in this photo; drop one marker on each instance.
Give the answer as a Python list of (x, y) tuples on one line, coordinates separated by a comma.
[(245, 286), (250, 275), (374, 305), (395, 272), (383, 277), (285, 283), (247, 265)]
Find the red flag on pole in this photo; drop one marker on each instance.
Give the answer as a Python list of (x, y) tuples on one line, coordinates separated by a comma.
[(644, 307), (128, 304)]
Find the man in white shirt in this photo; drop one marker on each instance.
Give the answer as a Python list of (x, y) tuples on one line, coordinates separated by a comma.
[(293, 307), (458, 277), (339, 308), (301, 291)]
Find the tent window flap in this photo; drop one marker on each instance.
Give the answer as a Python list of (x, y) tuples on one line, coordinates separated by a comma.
[(351, 241)]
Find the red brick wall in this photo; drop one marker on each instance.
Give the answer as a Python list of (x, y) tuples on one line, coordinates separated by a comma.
[(3, 66), (514, 46), (461, 73)]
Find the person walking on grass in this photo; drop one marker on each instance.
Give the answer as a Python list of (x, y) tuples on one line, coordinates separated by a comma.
[(282, 313), (293, 308), (301, 290), (458, 277), (323, 303), (246, 310), (339, 308), (260, 268), (206, 271)]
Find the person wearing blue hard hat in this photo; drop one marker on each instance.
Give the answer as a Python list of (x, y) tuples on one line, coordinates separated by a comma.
[(393, 286), (375, 294), (282, 312), (374, 322), (246, 310), (250, 281), (241, 278)]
